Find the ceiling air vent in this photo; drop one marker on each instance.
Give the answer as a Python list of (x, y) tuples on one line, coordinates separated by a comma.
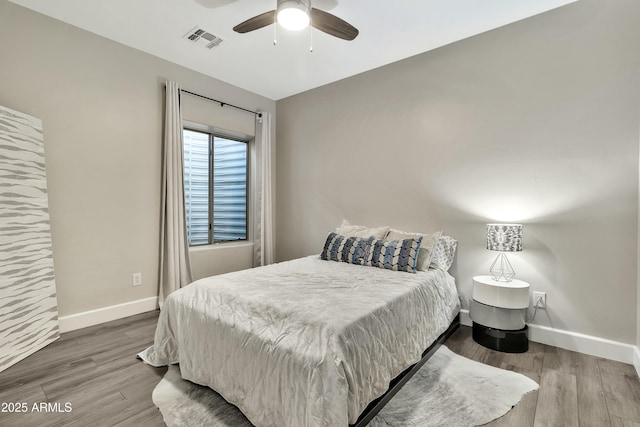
[(203, 38)]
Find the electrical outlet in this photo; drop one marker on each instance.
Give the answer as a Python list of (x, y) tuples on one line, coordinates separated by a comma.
[(540, 299), (136, 279)]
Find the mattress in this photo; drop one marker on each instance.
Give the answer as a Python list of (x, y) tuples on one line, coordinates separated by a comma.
[(305, 342)]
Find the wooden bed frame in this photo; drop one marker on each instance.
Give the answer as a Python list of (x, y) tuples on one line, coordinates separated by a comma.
[(396, 384)]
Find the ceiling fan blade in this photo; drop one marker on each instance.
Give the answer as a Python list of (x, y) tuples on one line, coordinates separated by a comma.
[(256, 22), (332, 25)]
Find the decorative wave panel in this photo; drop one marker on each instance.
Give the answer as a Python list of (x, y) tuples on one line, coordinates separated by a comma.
[(28, 304)]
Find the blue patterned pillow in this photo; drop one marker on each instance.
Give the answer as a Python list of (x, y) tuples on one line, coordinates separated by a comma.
[(345, 249), (396, 255)]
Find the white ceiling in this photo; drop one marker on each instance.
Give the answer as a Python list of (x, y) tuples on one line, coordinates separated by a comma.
[(389, 31)]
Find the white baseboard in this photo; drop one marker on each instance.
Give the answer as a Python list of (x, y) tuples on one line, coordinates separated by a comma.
[(464, 317), (574, 341), (582, 343), (107, 314)]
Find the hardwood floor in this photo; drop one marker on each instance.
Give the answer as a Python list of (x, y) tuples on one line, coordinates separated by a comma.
[(96, 371), (575, 389)]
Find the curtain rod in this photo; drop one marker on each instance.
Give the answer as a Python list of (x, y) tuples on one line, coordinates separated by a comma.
[(222, 104)]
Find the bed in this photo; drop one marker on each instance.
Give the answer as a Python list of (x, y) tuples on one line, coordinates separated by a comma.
[(306, 342)]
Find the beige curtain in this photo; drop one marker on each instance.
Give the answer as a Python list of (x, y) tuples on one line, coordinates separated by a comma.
[(264, 245), (175, 267)]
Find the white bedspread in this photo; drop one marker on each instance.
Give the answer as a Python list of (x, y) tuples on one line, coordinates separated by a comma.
[(305, 342)]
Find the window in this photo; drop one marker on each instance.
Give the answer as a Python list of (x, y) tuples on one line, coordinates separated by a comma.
[(215, 187)]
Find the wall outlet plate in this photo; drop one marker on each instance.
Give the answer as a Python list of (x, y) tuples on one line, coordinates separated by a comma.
[(540, 298), (136, 279)]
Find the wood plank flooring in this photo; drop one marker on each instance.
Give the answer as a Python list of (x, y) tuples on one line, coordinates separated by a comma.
[(96, 371), (575, 389)]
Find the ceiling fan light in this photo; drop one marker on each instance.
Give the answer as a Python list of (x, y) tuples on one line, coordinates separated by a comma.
[(293, 15)]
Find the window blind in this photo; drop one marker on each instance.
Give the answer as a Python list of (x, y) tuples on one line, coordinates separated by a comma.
[(227, 184), (229, 190)]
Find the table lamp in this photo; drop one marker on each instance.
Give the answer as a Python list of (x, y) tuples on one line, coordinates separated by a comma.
[(503, 238)]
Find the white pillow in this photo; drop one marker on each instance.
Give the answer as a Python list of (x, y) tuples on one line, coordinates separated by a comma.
[(426, 247), (349, 230), (443, 253)]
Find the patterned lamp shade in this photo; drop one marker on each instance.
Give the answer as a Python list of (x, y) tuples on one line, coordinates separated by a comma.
[(504, 237)]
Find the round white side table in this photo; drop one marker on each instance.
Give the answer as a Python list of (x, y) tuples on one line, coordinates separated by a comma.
[(499, 310)]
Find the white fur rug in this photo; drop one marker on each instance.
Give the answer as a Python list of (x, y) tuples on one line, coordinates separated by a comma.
[(448, 390)]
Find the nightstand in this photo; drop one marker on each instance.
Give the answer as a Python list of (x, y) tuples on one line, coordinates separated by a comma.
[(499, 312)]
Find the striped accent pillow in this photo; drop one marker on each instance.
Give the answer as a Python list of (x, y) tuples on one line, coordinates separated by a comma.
[(345, 249), (396, 255)]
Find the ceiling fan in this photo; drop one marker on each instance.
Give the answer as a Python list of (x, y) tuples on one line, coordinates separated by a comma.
[(298, 14)]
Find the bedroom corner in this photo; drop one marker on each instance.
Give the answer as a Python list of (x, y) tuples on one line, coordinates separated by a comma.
[(103, 113)]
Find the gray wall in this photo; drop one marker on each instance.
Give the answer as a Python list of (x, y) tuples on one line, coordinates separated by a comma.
[(101, 104), (536, 122)]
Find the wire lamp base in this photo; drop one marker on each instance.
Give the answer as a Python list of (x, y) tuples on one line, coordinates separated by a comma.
[(501, 269)]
